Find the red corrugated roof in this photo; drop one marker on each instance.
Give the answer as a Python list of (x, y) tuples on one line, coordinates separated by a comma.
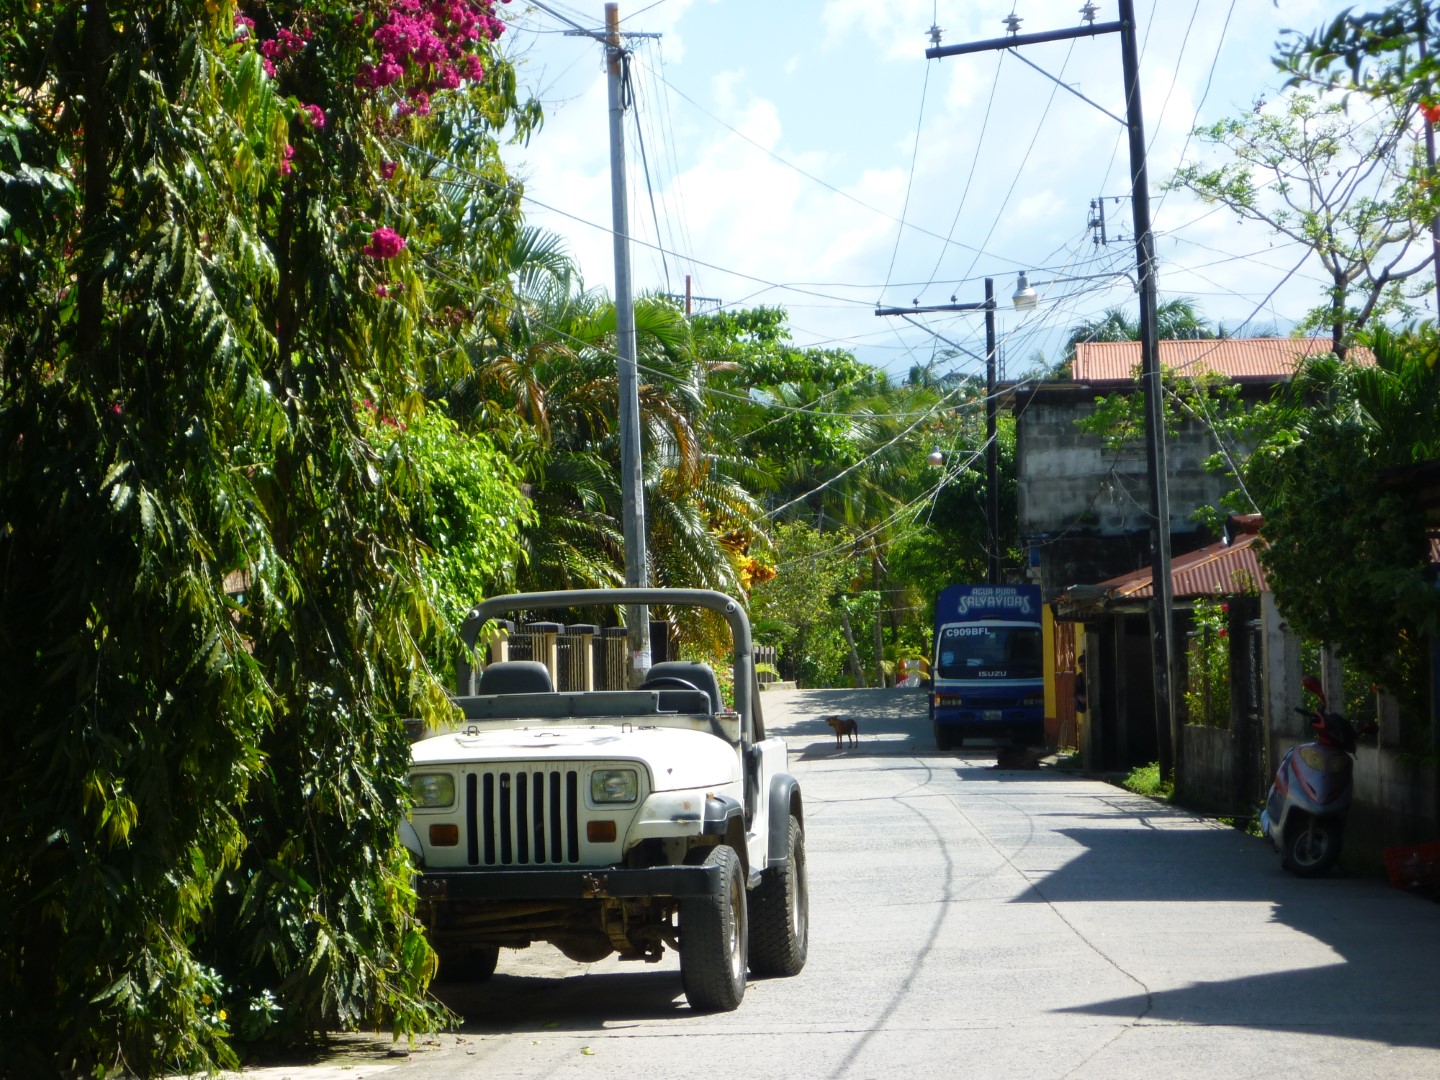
[(1239, 358), (1220, 569)]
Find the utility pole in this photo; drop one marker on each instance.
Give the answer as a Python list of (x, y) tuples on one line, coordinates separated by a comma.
[(1162, 601), (637, 616), (992, 456), (992, 446)]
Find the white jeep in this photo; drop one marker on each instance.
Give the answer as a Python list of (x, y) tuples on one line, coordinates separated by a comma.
[(611, 820)]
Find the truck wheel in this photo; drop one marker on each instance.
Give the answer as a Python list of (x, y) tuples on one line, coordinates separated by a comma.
[(943, 739), (713, 939), (468, 965), (1312, 846), (780, 913)]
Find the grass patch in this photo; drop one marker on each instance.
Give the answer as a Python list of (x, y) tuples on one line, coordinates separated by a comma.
[(1250, 825), (1145, 780)]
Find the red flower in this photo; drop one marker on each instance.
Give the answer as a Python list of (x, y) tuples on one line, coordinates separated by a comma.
[(1431, 112), (385, 243)]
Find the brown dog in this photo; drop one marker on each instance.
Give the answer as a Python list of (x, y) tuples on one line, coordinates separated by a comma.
[(843, 725)]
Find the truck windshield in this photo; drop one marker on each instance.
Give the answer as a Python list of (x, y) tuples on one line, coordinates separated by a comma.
[(989, 652)]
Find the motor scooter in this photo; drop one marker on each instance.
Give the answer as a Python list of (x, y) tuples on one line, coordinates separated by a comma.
[(1304, 815)]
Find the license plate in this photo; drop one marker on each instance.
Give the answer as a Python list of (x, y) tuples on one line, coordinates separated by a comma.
[(992, 716)]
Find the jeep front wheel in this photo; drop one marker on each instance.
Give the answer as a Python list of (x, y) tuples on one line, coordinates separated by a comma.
[(780, 913), (713, 939)]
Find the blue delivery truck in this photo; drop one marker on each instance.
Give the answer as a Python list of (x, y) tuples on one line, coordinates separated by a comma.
[(988, 671)]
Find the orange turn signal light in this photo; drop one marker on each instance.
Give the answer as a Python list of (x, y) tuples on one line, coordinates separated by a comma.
[(600, 832), (444, 835)]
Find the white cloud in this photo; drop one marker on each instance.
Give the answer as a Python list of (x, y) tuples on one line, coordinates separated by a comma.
[(833, 91)]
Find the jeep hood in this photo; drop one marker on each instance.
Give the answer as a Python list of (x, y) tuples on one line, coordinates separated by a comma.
[(676, 758)]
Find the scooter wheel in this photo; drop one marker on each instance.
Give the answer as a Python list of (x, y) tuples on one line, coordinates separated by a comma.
[(1312, 846)]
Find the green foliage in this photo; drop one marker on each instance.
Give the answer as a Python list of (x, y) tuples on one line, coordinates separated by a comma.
[(1353, 189), (799, 606), (1206, 695), (1175, 320), (468, 516), (1379, 52), (1347, 554), (1145, 780), (214, 606)]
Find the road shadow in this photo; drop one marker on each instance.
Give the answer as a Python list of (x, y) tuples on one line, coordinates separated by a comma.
[(1374, 991), (581, 1002)]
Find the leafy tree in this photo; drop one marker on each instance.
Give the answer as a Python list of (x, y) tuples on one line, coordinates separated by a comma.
[(1346, 554), (1390, 51), (798, 609), (213, 247), (1175, 320), (468, 513), (1352, 188)]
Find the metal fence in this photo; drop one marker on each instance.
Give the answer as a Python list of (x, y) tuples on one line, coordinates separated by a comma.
[(580, 657), (766, 654)]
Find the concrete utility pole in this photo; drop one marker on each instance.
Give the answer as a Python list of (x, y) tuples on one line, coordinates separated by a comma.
[(992, 455), (637, 618), (1162, 603), (992, 445)]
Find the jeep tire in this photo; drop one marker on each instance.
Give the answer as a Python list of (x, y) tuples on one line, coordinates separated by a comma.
[(473, 965), (780, 913), (714, 934)]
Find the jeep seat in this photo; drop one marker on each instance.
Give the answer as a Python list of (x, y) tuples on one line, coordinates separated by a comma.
[(516, 677), (696, 674)]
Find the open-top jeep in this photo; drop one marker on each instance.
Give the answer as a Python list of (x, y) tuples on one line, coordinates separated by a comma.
[(611, 820)]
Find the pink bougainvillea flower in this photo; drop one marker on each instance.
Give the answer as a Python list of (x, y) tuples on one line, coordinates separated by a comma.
[(244, 25), (385, 243), (286, 166), (315, 114), (387, 169), (382, 291)]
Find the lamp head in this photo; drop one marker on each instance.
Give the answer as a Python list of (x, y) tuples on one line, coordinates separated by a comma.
[(937, 457), (1025, 296)]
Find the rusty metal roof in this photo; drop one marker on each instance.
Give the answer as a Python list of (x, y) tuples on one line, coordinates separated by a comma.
[(1239, 358), (1218, 570)]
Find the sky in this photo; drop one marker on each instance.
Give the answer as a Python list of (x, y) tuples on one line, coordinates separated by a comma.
[(805, 154)]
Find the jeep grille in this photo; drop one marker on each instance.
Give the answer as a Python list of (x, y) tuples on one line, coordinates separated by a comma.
[(520, 817)]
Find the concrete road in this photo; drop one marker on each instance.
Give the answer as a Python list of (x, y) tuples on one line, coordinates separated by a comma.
[(968, 921)]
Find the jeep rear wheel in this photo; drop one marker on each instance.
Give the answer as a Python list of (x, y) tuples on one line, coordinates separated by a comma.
[(780, 913), (713, 939), (468, 965)]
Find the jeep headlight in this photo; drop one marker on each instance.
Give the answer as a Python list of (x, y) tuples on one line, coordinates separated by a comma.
[(614, 786), (432, 790)]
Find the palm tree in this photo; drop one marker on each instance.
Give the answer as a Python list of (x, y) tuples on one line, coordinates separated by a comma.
[(544, 382), (1175, 320)]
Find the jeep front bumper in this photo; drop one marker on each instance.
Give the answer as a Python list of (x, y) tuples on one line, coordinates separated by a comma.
[(592, 884)]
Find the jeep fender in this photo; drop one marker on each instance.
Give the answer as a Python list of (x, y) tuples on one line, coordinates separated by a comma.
[(720, 812), (785, 803)]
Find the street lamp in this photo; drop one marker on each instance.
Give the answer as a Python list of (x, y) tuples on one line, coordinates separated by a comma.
[(992, 455), (1025, 296), (1162, 605)]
